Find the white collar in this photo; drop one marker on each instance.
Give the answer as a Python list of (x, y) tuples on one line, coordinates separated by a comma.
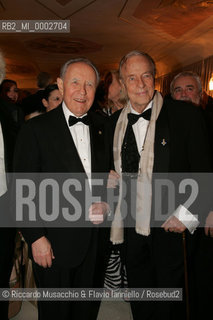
[(68, 113), (149, 106)]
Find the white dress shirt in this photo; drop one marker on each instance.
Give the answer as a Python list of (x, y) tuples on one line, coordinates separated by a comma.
[(3, 183), (140, 130), (81, 137)]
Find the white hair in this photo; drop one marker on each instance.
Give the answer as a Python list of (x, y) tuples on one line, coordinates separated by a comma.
[(137, 53), (76, 60), (2, 67)]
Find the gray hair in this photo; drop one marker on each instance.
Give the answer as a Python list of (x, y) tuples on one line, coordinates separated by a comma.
[(137, 53), (83, 60), (186, 74), (2, 67)]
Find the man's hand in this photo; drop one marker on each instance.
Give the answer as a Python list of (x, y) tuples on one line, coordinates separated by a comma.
[(113, 179), (173, 225), (98, 211), (209, 225), (42, 252)]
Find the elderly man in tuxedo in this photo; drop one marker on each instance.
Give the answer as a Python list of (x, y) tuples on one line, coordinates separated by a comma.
[(152, 135), (8, 131), (68, 139)]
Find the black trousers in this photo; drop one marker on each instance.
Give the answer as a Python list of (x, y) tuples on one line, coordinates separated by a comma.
[(7, 244), (85, 275), (204, 276), (157, 261)]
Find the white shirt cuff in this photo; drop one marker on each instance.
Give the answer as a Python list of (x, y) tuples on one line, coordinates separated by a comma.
[(187, 218)]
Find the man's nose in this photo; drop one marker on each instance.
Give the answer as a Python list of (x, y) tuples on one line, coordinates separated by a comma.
[(141, 82), (184, 93), (83, 89)]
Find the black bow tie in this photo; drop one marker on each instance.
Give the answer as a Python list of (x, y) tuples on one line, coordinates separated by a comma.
[(133, 118), (74, 120)]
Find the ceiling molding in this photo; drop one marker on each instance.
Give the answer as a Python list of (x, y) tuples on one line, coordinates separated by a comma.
[(63, 2), (66, 10)]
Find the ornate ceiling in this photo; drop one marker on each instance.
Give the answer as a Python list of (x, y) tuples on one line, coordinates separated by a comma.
[(174, 32)]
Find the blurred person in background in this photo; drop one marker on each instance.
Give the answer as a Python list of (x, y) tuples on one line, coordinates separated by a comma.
[(9, 93), (110, 96), (186, 86), (9, 90), (51, 97), (114, 95), (33, 103)]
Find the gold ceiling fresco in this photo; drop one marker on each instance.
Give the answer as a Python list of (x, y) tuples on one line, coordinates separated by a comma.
[(174, 17)]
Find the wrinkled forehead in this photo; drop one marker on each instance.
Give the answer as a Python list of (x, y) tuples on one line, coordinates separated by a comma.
[(137, 64), (186, 81), (81, 69)]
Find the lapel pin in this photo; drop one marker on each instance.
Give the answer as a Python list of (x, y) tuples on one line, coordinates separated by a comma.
[(163, 142), (100, 132)]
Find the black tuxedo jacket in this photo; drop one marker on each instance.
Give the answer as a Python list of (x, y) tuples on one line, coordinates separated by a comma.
[(180, 146), (46, 145), (9, 130)]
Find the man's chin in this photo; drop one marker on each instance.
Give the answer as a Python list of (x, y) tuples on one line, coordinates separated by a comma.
[(186, 99)]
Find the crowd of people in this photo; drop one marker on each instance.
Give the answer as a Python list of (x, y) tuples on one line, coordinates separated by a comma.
[(123, 128)]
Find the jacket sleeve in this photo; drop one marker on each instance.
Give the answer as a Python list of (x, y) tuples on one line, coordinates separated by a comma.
[(27, 166)]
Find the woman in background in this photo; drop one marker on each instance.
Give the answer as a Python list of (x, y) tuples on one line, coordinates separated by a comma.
[(9, 93), (114, 95), (109, 95), (9, 90), (51, 97)]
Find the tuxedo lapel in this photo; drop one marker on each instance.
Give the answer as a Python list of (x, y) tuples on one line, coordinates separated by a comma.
[(97, 143), (100, 153), (162, 142), (93, 150)]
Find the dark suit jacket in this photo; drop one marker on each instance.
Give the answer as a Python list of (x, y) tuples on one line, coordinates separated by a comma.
[(186, 150), (46, 145), (10, 130), (7, 235)]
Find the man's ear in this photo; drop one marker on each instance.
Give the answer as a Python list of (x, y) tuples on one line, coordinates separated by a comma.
[(60, 84), (121, 81), (123, 87), (45, 103)]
